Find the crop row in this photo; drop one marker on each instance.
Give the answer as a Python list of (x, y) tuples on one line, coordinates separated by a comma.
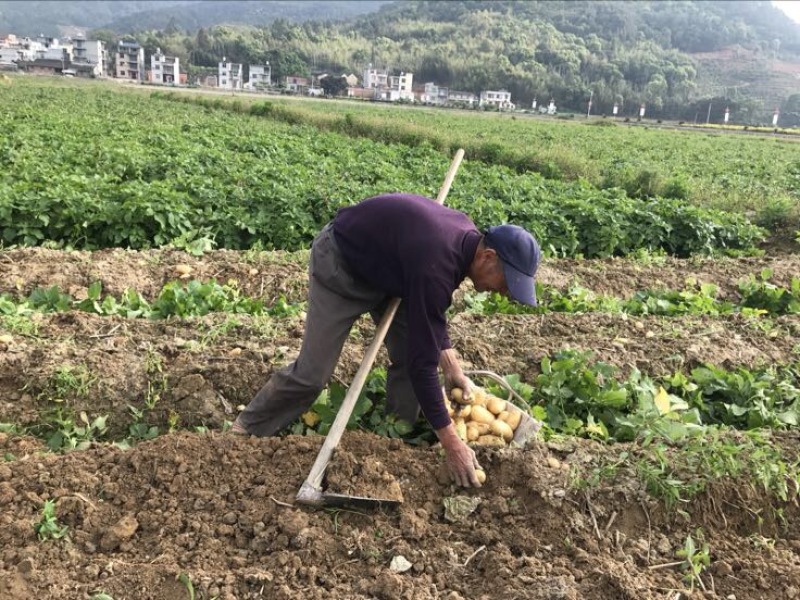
[(729, 172), (80, 170), (198, 298)]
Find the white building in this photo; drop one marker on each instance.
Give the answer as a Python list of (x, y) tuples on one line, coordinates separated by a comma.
[(375, 78), (434, 94), (468, 98), (164, 70), (229, 75), (129, 61), (260, 76), (90, 52), (500, 99)]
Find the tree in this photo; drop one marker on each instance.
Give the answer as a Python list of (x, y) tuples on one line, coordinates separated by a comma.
[(334, 86)]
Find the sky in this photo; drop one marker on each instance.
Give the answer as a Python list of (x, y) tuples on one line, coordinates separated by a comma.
[(790, 7)]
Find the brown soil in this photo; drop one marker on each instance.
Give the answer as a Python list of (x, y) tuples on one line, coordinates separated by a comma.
[(269, 275), (211, 507), (201, 369)]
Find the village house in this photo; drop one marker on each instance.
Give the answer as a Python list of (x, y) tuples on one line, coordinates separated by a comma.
[(465, 98), (90, 52), (500, 99), (260, 76), (129, 61), (296, 84), (433, 94), (164, 70), (229, 75)]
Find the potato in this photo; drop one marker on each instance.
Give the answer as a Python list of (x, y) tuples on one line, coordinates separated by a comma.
[(483, 428), (503, 416), (496, 405), (461, 429), (450, 411), (6, 339), (481, 475), (503, 430), (478, 396), (183, 269), (457, 395), (481, 415), (491, 440), (464, 411), (514, 418), (472, 432)]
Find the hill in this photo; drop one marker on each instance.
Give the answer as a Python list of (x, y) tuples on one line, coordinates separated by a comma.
[(672, 56), (61, 18)]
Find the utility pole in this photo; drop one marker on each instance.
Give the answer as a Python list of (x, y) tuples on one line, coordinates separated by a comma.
[(708, 116), (589, 110)]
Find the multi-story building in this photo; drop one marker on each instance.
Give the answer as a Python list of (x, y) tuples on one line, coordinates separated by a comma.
[(129, 61), (434, 94), (90, 52), (260, 76), (229, 75), (399, 88), (375, 78), (500, 99), (164, 69)]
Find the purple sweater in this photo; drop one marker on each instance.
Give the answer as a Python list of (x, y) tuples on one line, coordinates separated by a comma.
[(413, 248)]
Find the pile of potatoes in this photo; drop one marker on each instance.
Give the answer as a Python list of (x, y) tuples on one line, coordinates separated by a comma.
[(483, 419)]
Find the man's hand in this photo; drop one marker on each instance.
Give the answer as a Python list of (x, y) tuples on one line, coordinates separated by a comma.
[(461, 459), (453, 375)]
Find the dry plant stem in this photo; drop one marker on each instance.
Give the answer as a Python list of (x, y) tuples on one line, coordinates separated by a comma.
[(649, 531), (666, 565), (473, 555), (610, 522), (594, 519), (279, 503)]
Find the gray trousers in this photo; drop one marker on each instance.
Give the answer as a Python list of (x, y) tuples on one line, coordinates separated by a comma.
[(336, 299)]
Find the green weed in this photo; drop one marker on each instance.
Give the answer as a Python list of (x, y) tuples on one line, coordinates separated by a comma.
[(48, 527)]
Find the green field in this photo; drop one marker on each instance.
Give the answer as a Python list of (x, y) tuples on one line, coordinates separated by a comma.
[(91, 167), (754, 173)]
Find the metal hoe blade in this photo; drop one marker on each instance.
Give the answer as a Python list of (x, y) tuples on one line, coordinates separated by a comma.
[(315, 497)]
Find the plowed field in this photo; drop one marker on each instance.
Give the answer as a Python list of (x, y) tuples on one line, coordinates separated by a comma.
[(208, 515)]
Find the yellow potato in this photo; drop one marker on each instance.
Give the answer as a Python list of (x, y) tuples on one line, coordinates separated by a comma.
[(503, 430), (183, 269), (481, 475), (478, 396), (461, 429), (450, 410), (496, 405), (464, 411), (6, 339), (503, 416), (483, 428), (457, 395), (472, 432), (481, 415), (514, 418), (491, 440)]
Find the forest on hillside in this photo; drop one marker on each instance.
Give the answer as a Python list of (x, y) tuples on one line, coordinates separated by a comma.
[(629, 53)]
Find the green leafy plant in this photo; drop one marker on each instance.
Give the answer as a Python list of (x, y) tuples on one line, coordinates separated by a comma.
[(48, 527), (696, 559)]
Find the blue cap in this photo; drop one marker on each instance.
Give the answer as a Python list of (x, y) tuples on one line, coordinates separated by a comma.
[(520, 254)]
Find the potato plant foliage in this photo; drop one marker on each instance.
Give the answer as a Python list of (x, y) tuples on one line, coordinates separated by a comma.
[(91, 168)]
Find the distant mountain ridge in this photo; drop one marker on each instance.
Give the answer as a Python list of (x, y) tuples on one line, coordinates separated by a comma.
[(53, 18)]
